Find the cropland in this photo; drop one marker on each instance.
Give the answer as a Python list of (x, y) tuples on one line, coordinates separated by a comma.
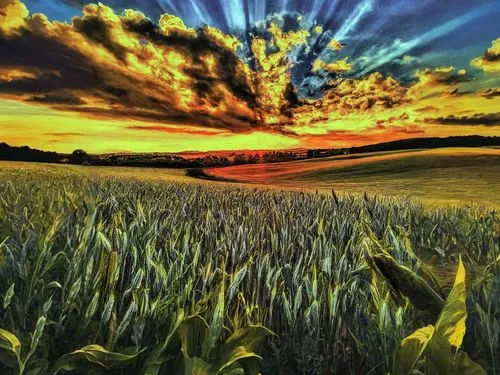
[(130, 271)]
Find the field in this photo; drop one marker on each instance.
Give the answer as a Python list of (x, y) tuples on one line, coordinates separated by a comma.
[(449, 175), (143, 271)]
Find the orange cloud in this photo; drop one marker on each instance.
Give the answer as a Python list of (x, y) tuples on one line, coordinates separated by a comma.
[(373, 93), (335, 45), (436, 81), (272, 78), (339, 66), (13, 74), (12, 13), (172, 129), (490, 60), (490, 93), (125, 66)]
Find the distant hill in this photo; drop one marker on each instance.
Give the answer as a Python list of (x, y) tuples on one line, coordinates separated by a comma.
[(406, 144), (412, 143), (218, 159)]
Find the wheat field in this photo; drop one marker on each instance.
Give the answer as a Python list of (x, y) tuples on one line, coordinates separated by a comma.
[(105, 273)]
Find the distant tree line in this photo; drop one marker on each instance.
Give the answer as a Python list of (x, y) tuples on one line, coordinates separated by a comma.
[(25, 153), (160, 160)]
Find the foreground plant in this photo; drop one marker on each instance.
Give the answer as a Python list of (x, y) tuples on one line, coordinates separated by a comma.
[(182, 350), (436, 349)]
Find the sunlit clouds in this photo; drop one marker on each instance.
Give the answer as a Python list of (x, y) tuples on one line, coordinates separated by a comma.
[(113, 80), (490, 61)]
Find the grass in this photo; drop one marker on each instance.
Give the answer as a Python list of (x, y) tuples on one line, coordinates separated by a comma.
[(439, 176), (157, 270)]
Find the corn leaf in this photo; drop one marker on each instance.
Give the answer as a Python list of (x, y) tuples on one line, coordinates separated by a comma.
[(215, 327), (8, 296), (192, 332), (12, 347), (451, 322), (196, 366), (9, 342), (411, 350), (241, 344), (443, 355), (155, 360), (93, 354)]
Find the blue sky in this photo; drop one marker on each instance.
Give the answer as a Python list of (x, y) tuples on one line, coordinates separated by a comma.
[(435, 32)]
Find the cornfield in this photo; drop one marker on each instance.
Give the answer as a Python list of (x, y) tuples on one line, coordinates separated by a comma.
[(118, 275)]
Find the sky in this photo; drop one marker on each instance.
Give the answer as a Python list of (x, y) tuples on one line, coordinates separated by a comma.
[(171, 76)]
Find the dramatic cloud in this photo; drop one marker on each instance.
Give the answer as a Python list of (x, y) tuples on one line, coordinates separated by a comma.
[(12, 13), (123, 66), (431, 82), (490, 93), (339, 66), (490, 60), (373, 93), (172, 129), (272, 77), (391, 120), (102, 64), (486, 119)]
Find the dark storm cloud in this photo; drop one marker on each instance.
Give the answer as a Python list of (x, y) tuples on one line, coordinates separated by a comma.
[(61, 66), (486, 119), (166, 74), (490, 93), (63, 99)]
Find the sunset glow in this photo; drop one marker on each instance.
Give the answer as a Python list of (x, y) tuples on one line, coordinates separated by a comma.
[(107, 78)]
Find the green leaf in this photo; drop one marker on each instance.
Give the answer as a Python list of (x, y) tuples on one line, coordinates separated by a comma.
[(8, 296), (215, 327), (234, 369), (411, 350), (192, 331), (196, 366), (466, 366), (235, 355), (93, 354), (40, 326), (127, 319), (241, 344), (92, 307), (443, 355), (9, 342), (404, 282), (451, 322), (156, 359), (237, 278), (53, 285)]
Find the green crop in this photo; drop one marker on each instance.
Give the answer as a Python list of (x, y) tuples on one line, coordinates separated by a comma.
[(436, 349), (114, 274)]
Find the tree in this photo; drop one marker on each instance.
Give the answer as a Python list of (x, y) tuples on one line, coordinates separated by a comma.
[(79, 157)]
